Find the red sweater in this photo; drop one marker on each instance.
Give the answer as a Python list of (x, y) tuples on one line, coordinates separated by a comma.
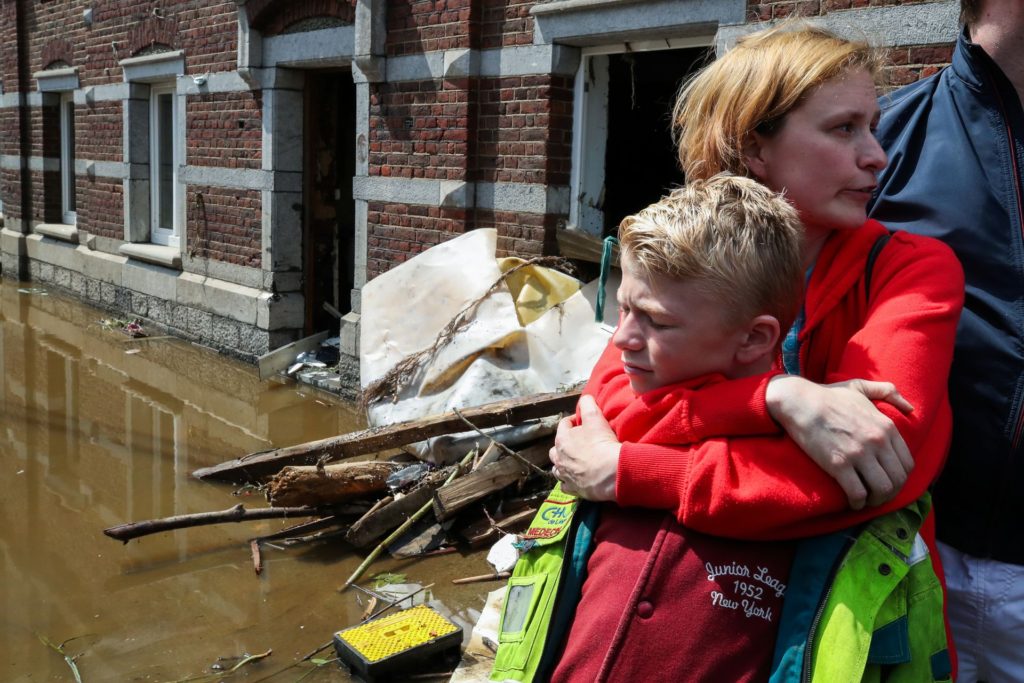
[(664, 603), (764, 486)]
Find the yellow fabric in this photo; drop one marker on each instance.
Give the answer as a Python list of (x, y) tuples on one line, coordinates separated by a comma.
[(535, 289)]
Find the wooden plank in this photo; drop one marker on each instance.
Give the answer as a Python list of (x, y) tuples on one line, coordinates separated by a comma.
[(278, 360), (376, 523), (450, 499), (576, 244), (510, 411)]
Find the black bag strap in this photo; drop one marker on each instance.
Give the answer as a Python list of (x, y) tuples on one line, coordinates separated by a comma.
[(869, 265)]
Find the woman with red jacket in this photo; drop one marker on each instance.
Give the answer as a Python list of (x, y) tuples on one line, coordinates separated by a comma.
[(798, 454)]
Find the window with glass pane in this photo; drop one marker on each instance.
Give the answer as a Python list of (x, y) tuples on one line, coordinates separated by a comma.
[(67, 157), (162, 165)]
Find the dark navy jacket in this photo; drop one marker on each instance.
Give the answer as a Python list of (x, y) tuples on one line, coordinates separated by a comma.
[(956, 153)]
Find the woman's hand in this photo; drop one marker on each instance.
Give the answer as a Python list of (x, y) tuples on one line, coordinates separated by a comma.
[(839, 428), (586, 457)]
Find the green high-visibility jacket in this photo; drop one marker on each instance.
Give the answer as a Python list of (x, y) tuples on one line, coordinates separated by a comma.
[(868, 602)]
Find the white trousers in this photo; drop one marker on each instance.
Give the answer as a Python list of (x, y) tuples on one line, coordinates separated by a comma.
[(986, 612)]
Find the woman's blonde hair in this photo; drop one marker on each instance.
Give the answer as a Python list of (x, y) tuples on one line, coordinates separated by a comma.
[(752, 87), (732, 236)]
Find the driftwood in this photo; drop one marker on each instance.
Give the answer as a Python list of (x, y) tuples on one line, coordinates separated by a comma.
[(238, 513), (485, 531), (299, 530), (308, 485), (483, 577), (453, 473), (450, 499), (512, 411), (379, 521)]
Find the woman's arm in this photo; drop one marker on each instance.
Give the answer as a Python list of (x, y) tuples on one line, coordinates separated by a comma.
[(765, 487)]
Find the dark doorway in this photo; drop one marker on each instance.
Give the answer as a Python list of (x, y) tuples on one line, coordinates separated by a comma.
[(640, 161), (329, 222)]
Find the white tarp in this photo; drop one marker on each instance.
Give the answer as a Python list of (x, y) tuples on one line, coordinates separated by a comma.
[(493, 357)]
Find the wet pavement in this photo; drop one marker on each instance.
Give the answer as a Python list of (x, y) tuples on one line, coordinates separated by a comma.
[(97, 429)]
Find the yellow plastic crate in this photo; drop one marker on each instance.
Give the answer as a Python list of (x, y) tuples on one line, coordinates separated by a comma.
[(397, 642)]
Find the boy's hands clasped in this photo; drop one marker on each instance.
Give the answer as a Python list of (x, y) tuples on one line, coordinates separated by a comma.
[(839, 427), (586, 456)]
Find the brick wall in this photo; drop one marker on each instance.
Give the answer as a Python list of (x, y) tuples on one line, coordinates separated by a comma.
[(416, 26), (906, 64), (225, 130), (224, 224), (521, 234), (419, 129), (398, 232), (100, 207), (506, 22), (525, 129), (912, 63)]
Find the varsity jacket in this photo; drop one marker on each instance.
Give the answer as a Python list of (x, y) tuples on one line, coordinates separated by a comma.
[(956, 156), (655, 595)]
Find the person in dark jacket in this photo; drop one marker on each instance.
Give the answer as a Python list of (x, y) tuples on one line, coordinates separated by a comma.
[(956, 149)]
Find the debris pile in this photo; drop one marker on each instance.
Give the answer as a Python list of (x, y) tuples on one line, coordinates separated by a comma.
[(402, 506)]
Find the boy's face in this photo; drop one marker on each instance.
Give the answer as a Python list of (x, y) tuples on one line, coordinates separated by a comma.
[(670, 331)]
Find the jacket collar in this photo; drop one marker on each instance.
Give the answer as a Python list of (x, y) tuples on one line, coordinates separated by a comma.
[(973, 66)]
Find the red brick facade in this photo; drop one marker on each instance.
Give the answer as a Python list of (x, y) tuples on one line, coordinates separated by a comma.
[(224, 225), (467, 126)]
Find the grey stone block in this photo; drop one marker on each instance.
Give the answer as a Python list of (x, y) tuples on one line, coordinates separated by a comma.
[(224, 333), (140, 304), (78, 283), (179, 318), (62, 277), (108, 294), (158, 311), (255, 341), (200, 324)]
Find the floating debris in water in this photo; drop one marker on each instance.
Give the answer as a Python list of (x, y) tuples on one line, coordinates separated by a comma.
[(33, 290)]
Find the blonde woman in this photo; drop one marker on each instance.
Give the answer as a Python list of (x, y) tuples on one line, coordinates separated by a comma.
[(861, 417)]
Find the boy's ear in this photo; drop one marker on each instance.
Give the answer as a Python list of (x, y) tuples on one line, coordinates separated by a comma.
[(753, 157), (762, 338)]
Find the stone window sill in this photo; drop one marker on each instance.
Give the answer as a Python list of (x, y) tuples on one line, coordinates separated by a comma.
[(169, 257), (58, 231)]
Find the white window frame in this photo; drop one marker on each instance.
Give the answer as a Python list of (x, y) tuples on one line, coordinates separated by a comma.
[(160, 234), (590, 126), (67, 159)]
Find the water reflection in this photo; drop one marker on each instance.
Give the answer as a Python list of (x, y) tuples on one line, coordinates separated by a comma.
[(97, 430)]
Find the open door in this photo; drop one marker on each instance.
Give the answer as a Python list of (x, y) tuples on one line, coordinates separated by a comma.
[(329, 221)]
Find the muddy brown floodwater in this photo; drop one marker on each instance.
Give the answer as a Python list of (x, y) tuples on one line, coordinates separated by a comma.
[(97, 430)]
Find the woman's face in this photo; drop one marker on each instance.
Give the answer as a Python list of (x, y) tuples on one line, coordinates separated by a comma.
[(825, 156)]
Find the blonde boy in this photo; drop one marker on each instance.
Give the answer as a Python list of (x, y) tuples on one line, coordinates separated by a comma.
[(711, 277)]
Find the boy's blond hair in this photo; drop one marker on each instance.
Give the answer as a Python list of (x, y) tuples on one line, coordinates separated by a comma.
[(736, 238), (752, 87)]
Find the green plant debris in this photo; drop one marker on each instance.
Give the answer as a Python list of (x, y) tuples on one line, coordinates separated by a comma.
[(59, 649), (386, 578), (219, 675)]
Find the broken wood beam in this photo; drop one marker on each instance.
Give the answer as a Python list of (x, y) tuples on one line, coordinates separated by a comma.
[(311, 485), (380, 521), (450, 499), (511, 411), (486, 532)]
